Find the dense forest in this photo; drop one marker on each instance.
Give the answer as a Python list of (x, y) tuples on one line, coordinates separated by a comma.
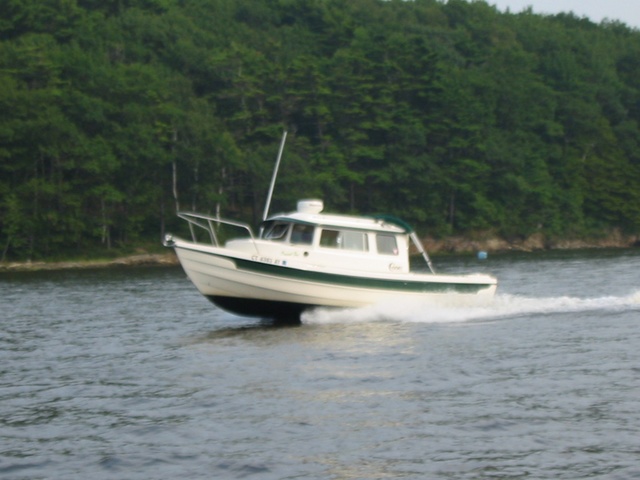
[(459, 118)]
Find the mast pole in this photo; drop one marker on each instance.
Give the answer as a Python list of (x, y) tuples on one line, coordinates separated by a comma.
[(273, 178)]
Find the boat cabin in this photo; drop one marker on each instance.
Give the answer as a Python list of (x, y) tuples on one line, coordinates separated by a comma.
[(337, 241)]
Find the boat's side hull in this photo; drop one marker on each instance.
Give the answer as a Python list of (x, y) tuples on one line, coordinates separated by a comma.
[(246, 286)]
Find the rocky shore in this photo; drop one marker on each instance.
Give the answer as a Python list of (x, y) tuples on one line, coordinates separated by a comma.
[(533, 243)]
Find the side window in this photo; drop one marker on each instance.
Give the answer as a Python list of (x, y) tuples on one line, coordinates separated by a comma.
[(386, 244), (345, 240), (329, 238), (277, 232), (302, 234), (355, 241)]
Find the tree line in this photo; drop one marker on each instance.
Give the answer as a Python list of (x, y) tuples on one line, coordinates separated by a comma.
[(459, 118)]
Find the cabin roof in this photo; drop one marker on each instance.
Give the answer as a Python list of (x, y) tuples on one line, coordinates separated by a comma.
[(381, 223)]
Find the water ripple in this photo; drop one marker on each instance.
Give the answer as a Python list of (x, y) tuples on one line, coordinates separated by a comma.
[(131, 374)]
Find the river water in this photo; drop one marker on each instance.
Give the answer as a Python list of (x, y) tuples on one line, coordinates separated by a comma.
[(129, 373)]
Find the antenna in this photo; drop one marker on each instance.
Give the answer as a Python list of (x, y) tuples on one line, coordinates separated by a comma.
[(273, 178)]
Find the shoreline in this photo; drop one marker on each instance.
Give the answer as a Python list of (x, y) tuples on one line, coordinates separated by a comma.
[(446, 246), (137, 260), (534, 243)]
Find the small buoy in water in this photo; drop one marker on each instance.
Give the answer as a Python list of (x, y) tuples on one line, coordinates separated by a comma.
[(482, 255)]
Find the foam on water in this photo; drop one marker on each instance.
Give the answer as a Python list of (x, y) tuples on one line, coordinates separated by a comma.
[(457, 308)]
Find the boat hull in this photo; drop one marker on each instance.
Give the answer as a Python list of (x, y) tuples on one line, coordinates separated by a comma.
[(243, 285), (250, 307)]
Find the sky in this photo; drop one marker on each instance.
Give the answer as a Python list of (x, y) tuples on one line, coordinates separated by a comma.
[(626, 11)]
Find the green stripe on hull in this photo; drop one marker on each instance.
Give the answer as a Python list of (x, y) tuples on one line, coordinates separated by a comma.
[(354, 281), (350, 280)]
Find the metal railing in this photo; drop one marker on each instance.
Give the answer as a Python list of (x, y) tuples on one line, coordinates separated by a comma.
[(208, 223)]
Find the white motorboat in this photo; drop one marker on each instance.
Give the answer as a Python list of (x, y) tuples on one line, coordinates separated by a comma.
[(306, 259)]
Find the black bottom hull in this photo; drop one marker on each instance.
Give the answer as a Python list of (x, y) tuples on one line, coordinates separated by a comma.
[(281, 312)]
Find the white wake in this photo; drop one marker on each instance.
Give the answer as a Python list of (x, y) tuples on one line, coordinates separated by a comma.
[(463, 309)]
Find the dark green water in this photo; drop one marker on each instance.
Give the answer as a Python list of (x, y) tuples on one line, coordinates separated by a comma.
[(129, 373)]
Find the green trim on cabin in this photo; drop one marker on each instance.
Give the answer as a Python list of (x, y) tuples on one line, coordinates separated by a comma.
[(394, 221)]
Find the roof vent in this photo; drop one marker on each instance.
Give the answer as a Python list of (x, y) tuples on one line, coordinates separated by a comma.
[(310, 206)]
